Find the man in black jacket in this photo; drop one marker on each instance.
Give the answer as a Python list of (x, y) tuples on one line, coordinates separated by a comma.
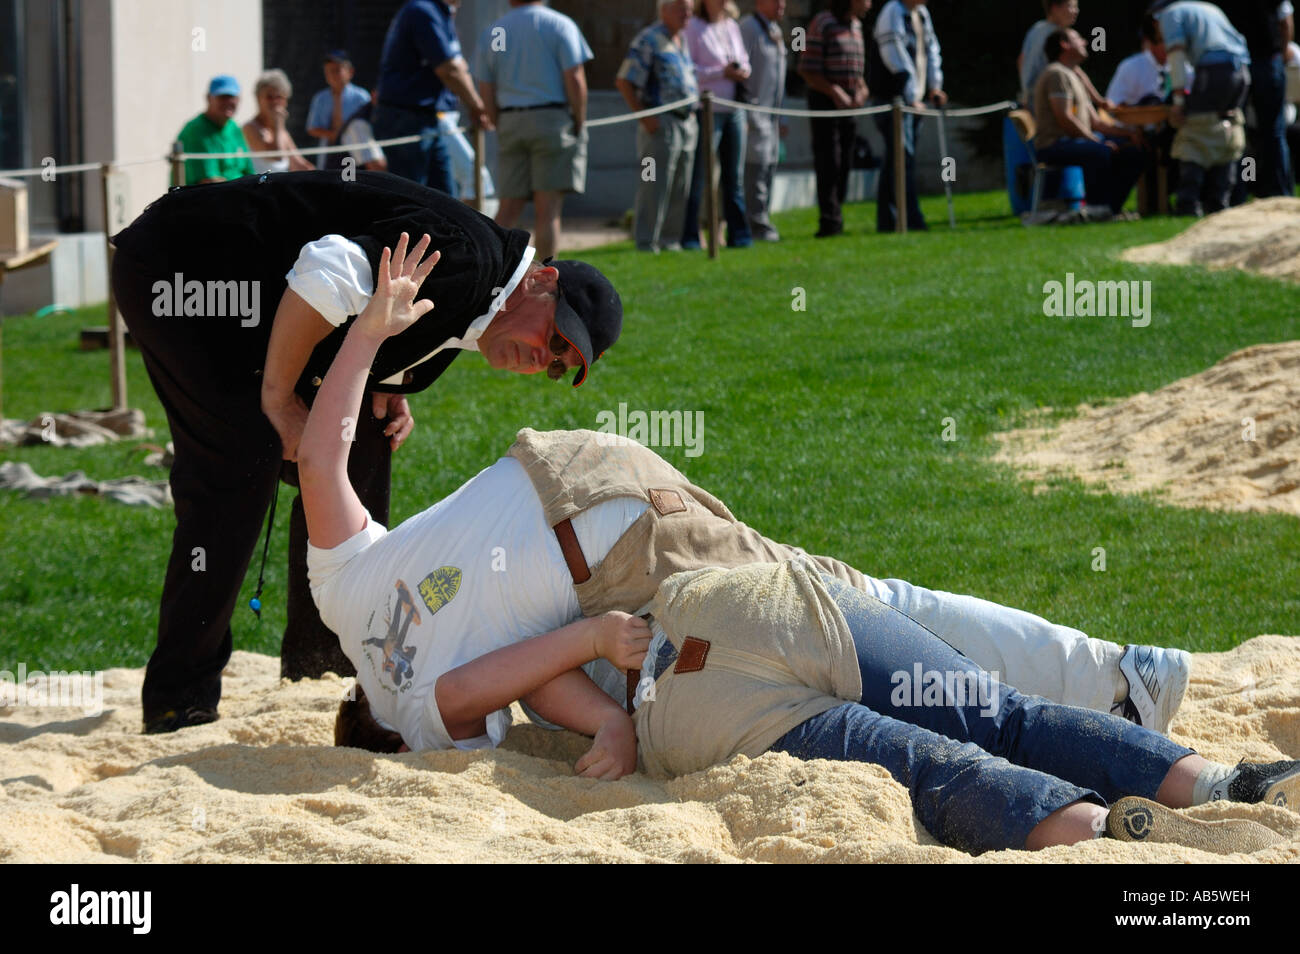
[(196, 276)]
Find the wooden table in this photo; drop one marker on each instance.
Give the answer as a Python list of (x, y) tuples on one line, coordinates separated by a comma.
[(12, 261), (1148, 116)]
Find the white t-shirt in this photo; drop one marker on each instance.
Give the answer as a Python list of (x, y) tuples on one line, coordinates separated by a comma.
[(1136, 78), (477, 571)]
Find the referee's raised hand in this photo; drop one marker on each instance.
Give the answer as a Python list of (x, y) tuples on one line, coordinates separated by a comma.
[(393, 308)]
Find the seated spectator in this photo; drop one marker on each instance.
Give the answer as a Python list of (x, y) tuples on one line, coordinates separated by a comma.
[(1207, 108), (333, 106), (1070, 133), (266, 131), (213, 131), (658, 70), (1142, 78), (1059, 15)]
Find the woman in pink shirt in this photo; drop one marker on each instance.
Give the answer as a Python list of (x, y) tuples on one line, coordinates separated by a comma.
[(721, 66)]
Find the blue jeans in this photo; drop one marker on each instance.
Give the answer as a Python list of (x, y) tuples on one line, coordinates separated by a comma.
[(729, 143), (982, 763), (1268, 92), (1108, 174), (428, 161)]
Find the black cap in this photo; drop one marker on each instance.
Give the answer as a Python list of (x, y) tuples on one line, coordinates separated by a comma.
[(588, 314), (338, 56)]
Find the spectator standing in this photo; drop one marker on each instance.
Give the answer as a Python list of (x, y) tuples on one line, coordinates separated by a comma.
[(333, 106), (534, 85), (213, 131), (833, 64), (266, 131), (1207, 107), (421, 61), (905, 62), (1070, 133), (658, 71), (721, 66), (1267, 26), (765, 47)]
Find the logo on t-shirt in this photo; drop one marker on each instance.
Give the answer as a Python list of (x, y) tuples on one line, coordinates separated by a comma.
[(440, 587)]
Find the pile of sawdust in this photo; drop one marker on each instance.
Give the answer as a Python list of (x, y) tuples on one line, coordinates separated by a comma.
[(265, 784), (1261, 237), (1227, 438)]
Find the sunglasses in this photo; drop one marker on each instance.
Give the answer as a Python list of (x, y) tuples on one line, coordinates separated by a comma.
[(559, 347)]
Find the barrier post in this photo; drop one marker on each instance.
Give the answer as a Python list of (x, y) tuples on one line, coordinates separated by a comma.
[(900, 170), (480, 148), (178, 164), (115, 205), (710, 161)]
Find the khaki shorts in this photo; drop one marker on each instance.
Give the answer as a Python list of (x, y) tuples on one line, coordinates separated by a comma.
[(538, 152)]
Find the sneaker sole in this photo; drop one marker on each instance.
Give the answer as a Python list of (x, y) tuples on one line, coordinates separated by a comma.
[(1284, 791), (1136, 819)]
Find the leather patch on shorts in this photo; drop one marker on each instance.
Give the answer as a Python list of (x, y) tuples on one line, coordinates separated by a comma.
[(667, 501), (690, 658)]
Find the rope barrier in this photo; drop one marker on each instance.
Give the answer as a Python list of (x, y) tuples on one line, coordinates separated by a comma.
[(641, 114), (806, 113), (590, 123)]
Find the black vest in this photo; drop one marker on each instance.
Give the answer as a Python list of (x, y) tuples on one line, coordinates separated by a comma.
[(253, 228)]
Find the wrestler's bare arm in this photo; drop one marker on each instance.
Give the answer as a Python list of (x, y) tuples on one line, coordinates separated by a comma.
[(575, 702), (334, 512), (465, 695)]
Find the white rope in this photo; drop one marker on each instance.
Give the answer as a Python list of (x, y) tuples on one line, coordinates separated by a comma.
[(808, 113), (641, 114), (602, 121), (959, 113)]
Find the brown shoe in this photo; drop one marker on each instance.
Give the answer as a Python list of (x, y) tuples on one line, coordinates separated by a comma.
[(1140, 819)]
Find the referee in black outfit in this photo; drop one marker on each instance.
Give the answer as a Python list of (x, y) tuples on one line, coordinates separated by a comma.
[(239, 294)]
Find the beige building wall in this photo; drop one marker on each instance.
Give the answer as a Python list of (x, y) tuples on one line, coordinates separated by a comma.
[(163, 54)]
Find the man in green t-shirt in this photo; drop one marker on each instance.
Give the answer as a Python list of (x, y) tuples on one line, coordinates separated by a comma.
[(215, 131)]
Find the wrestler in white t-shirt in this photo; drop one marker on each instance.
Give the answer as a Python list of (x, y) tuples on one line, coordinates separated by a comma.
[(477, 571)]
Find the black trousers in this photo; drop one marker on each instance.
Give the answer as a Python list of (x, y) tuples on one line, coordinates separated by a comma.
[(227, 467), (832, 142)]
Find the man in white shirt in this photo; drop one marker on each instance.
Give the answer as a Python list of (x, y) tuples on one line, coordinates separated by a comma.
[(1143, 77)]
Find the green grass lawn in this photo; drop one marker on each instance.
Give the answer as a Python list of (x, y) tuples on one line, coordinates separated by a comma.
[(822, 427)]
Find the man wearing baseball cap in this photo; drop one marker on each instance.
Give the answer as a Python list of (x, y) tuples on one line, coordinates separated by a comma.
[(213, 131), (239, 295)]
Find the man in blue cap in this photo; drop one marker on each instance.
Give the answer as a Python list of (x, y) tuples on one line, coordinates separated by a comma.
[(213, 131)]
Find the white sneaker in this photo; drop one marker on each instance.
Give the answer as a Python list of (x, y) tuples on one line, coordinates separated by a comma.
[(1157, 679)]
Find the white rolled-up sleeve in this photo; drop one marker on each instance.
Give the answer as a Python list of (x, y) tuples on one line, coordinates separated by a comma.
[(332, 274)]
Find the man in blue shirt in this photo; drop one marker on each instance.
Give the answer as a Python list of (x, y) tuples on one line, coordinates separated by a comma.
[(420, 71), (658, 71), (534, 84), (1207, 107), (333, 106)]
